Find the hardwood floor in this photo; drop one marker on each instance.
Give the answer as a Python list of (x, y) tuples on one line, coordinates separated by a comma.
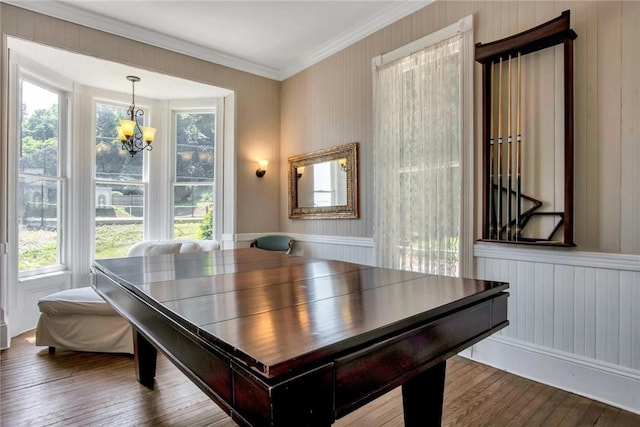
[(90, 389)]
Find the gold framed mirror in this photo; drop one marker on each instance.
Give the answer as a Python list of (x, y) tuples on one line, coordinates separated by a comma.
[(324, 184)]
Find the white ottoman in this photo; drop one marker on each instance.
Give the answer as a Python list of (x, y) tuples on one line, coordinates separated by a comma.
[(79, 319)]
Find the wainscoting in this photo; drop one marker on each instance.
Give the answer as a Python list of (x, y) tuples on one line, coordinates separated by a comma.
[(574, 316), (574, 320), (350, 249)]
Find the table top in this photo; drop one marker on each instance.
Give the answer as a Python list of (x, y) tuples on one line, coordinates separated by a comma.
[(276, 312)]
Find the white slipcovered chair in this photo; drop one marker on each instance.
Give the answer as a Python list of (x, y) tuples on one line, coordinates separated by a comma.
[(79, 319)]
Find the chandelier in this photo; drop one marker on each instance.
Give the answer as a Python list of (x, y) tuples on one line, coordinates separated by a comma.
[(134, 137)]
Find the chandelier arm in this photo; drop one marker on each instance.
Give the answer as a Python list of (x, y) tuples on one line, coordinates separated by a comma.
[(136, 141)]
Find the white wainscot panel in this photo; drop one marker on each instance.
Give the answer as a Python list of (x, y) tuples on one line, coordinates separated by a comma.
[(574, 320), (349, 249)]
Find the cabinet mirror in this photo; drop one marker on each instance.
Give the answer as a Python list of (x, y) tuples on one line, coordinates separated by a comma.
[(324, 184)]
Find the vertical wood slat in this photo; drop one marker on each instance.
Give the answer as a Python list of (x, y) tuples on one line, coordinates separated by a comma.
[(609, 96), (521, 297), (569, 303), (626, 316), (579, 314), (590, 312), (512, 309), (630, 128), (559, 306), (540, 309), (591, 239), (547, 279), (580, 119), (602, 298), (613, 312), (530, 301)]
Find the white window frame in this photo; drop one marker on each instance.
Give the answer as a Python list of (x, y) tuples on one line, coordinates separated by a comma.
[(46, 81), (202, 106)]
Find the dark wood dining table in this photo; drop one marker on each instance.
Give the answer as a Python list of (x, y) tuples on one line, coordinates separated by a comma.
[(285, 340)]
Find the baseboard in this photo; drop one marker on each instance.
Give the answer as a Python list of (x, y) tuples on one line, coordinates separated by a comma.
[(607, 383)]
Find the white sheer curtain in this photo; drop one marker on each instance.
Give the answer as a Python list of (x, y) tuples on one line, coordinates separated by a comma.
[(417, 159)]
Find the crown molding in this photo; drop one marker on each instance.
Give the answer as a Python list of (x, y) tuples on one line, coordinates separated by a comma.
[(67, 12), (93, 20), (385, 17)]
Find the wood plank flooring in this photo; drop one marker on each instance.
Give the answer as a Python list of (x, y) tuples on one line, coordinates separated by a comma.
[(90, 389)]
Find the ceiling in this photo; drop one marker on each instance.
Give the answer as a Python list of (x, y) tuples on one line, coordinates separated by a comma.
[(274, 39)]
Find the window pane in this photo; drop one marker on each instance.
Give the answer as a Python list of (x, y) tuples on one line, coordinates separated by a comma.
[(38, 216), (39, 128), (193, 212), (195, 136), (112, 162), (119, 218)]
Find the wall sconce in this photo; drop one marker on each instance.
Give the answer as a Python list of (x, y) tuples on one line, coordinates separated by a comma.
[(299, 171), (343, 164), (262, 168)]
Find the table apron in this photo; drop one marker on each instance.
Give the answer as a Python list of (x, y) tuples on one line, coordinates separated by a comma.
[(362, 376)]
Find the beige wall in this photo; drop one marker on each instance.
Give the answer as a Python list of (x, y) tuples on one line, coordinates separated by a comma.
[(330, 103), (257, 101)]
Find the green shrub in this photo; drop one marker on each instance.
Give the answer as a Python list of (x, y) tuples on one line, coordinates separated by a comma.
[(205, 231)]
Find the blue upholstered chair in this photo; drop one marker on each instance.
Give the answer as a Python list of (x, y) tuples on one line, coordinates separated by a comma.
[(274, 243)]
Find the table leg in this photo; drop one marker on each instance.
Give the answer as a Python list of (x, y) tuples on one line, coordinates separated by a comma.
[(145, 355), (422, 398)]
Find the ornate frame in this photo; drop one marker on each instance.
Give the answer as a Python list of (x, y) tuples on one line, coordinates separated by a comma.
[(348, 211)]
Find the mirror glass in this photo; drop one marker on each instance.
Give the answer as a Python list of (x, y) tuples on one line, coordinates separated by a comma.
[(323, 184)]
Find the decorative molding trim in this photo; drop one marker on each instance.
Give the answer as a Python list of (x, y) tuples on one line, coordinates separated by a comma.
[(385, 17), (96, 21), (611, 384), (366, 242), (461, 26), (558, 256), (67, 12)]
